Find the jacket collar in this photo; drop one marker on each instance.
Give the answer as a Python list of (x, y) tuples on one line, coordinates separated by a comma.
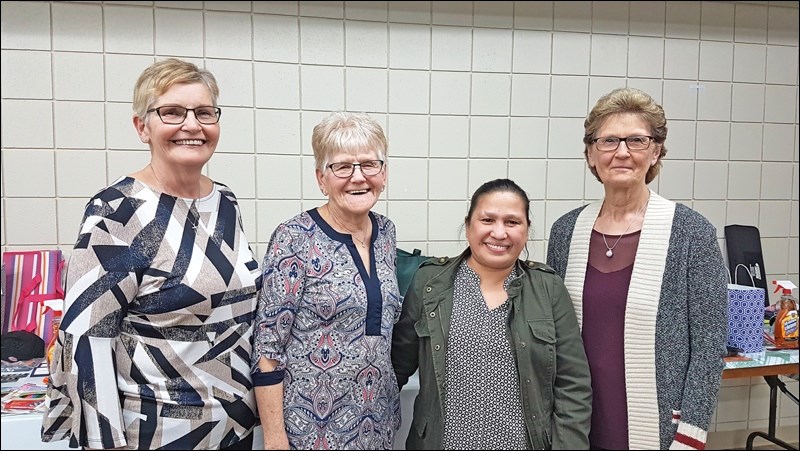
[(442, 281)]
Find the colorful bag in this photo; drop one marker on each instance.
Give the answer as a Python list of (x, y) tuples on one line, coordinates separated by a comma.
[(745, 316), (31, 278)]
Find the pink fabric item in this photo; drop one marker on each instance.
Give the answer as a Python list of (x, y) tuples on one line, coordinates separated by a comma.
[(32, 277)]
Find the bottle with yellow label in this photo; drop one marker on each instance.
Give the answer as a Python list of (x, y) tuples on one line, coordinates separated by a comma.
[(786, 332)]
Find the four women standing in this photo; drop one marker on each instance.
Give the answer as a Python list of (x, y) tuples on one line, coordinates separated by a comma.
[(155, 341)]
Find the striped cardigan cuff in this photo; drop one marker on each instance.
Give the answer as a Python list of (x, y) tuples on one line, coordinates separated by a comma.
[(689, 437)]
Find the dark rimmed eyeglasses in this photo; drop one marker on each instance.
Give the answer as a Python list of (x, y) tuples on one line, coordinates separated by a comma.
[(175, 115), (611, 143), (346, 170)]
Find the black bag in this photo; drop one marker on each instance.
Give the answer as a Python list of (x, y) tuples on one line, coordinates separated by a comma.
[(407, 265), (21, 345), (743, 243)]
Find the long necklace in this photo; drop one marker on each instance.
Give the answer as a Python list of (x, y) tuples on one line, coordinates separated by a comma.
[(194, 221), (352, 234), (610, 251)]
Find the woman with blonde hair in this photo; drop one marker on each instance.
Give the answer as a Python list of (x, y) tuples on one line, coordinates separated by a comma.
[(154, 344)]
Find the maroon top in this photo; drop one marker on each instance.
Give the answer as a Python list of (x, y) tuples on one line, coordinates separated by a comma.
[(605, 294)]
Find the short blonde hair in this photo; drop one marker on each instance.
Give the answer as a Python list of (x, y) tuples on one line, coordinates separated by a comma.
[(162, 75), (343, 132), (627, 101)]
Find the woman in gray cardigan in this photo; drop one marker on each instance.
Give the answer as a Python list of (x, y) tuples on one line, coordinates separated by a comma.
[(648, 282)]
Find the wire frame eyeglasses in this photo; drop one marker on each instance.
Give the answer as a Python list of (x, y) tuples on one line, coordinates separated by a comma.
[(346, 170), (611, 143), (175, 115)]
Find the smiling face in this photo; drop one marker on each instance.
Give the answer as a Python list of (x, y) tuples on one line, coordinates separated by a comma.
[(497, 231), (355, 195), (187, 145), (623, 168)]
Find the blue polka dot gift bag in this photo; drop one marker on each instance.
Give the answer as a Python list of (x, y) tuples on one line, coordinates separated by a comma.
[(745, 317)]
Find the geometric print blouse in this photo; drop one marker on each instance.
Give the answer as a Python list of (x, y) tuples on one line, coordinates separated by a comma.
[(154, 346), (328, 322)]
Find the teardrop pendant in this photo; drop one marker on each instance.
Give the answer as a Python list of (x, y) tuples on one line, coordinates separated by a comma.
[(609, 253)]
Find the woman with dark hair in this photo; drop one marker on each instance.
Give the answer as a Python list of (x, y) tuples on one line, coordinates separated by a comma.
[(500, 357)]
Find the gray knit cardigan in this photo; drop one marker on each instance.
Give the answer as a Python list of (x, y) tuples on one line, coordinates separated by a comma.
[(675, 318)]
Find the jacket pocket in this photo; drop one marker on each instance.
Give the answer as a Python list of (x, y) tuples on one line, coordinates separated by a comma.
[(540, 362), (419, 424), (543, 330)]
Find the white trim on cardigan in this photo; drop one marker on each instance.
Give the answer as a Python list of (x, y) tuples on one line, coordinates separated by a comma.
[(641, 309)]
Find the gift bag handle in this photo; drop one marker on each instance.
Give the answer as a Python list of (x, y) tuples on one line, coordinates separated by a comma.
[(26, 304), (736, 274)]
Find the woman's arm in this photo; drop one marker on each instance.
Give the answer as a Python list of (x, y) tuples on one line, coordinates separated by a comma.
[(270, 409), (283, 281), (572, 389), (707, 300), (405, 342), (83, 397)]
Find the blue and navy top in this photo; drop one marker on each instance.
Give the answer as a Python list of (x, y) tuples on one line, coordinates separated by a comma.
[(328, 322)]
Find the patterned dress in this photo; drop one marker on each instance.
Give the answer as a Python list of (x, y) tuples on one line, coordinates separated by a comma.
[(155, 341), (329, 323)]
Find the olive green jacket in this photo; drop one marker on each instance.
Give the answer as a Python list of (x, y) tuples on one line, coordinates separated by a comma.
[(553, 374)]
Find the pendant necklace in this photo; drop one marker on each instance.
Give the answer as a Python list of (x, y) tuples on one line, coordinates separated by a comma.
[(610, 251), (352, 234), (193, 221)]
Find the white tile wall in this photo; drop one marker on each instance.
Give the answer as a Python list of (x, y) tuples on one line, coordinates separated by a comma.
[(467, 91), (409, 134), (17, 67)]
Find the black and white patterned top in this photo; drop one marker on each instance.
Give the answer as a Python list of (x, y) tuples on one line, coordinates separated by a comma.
[(482, 408), (154, 346)]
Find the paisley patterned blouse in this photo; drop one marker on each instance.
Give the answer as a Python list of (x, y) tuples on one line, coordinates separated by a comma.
[(154, 346), (329, 323)]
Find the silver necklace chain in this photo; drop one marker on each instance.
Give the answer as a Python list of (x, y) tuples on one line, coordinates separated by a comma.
[(352, 234), (610, 250)]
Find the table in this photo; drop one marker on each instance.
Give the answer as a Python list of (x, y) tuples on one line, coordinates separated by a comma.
[(769, 365)]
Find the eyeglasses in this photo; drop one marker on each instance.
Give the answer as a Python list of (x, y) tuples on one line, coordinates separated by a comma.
[(175, 115), (346, 170), (611, 143)]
